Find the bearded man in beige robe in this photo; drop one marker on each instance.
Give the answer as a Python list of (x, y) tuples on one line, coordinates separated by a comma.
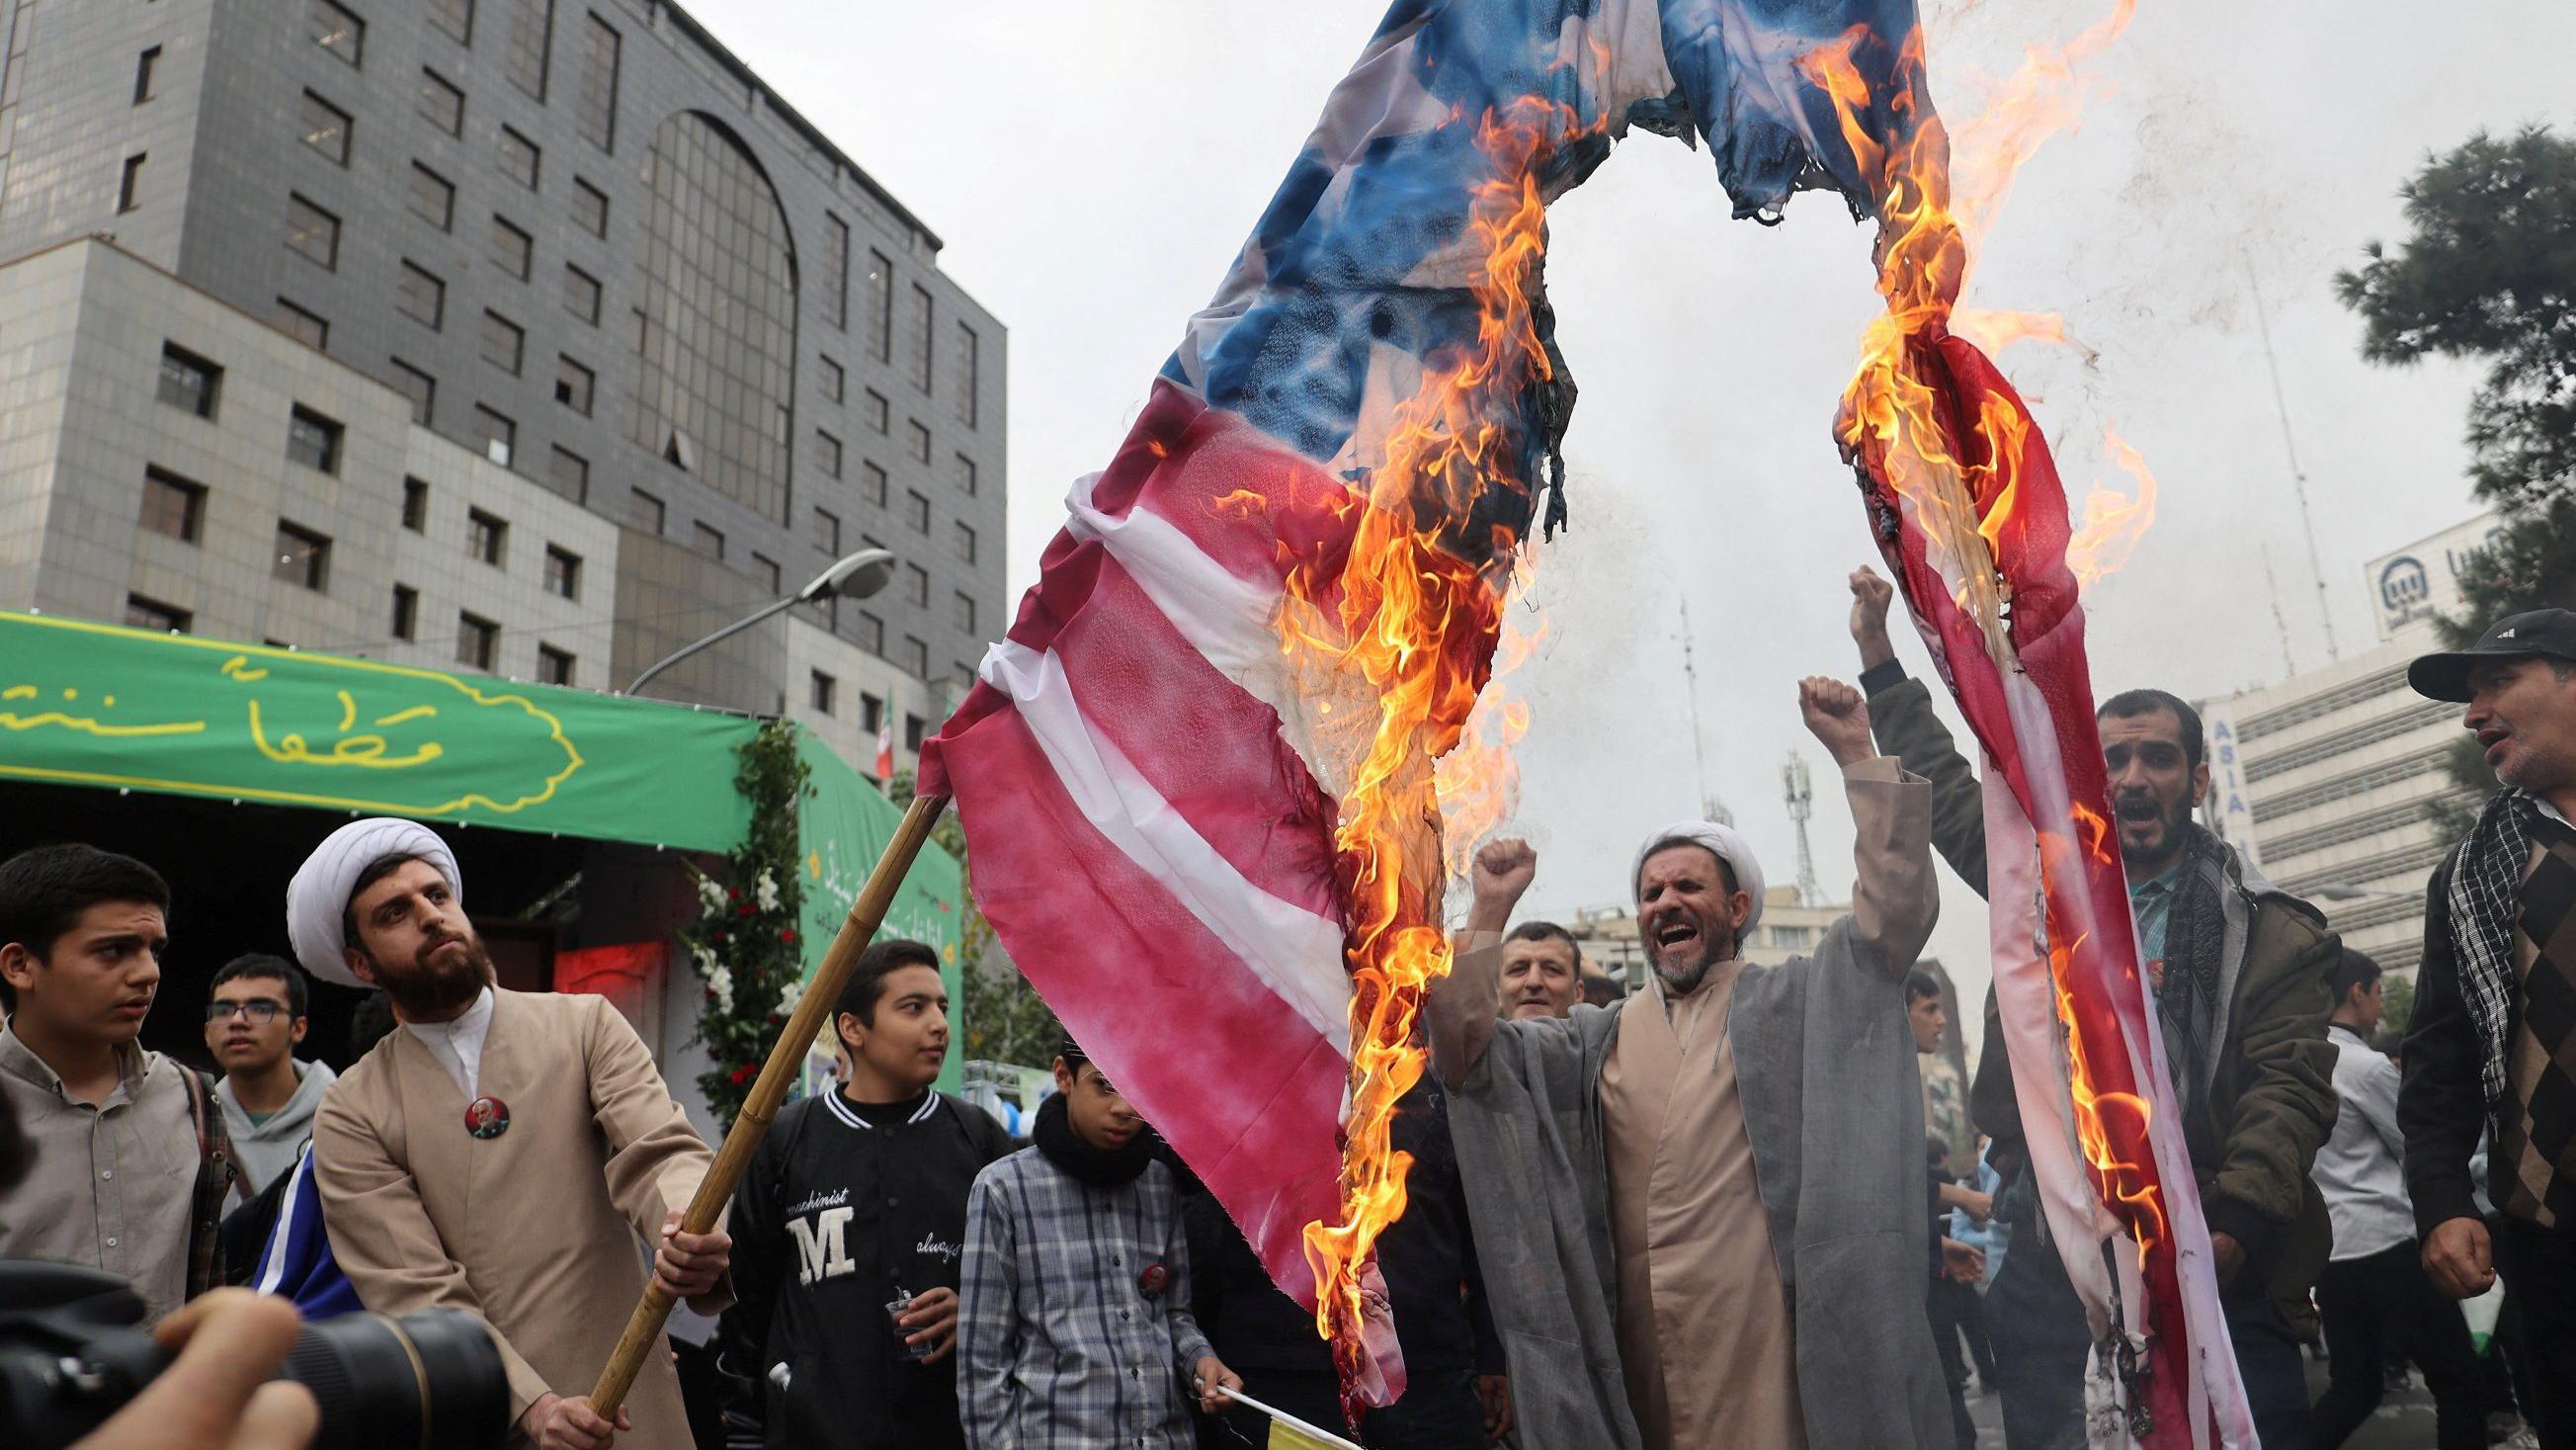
[(1702, 1214), (503, 1153)]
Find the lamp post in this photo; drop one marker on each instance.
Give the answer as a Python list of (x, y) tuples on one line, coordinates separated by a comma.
[(855, 577)]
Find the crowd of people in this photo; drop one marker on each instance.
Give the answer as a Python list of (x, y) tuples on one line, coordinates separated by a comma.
[(1701, 1214)]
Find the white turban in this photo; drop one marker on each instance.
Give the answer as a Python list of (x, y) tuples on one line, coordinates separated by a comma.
[(1723, 842), (317, 900)]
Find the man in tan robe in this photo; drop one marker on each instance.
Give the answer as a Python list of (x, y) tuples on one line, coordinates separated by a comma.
[(1736, 1150), (501, 1152)]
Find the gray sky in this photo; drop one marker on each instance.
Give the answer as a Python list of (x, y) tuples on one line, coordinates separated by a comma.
[(1094, 164)]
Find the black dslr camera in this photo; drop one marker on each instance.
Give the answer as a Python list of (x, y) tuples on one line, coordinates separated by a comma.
[(73, 1350)]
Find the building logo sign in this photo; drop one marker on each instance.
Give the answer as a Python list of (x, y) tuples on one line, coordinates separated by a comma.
[(2230, 808), (2409, 588)]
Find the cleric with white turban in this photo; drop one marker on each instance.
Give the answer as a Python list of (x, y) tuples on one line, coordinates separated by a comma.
[(317, 900), (1762, 1226)]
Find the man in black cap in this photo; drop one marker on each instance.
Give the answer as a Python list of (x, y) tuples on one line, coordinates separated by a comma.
[(2493, 1040)]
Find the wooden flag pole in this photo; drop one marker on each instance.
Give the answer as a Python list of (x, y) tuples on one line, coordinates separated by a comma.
[(644, 1327)]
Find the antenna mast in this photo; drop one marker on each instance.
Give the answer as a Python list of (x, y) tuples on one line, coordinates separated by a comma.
[(1710, 807), (2290, 446), (1801, 799)]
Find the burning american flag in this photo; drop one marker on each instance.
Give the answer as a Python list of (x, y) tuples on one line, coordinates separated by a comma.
[(1200, 775)]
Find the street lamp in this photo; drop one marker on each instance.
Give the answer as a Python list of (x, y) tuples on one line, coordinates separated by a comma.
[(855, 577)]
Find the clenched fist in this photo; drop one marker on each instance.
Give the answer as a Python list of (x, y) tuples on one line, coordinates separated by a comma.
[(1504, 869), (1838, 717), (1870, 597)]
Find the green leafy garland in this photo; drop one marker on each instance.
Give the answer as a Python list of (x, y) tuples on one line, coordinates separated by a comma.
[(745, 942)]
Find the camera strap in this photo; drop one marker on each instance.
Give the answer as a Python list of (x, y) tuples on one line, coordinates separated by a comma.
[(215, 1174)]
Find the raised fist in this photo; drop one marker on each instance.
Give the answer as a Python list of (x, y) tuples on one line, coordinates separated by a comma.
[(1838, 717), (1504, 868)]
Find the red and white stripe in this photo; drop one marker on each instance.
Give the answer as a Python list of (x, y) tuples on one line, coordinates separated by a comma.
[(1150, 843)]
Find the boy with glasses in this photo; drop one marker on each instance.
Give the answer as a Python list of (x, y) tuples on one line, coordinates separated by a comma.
[(253, 1021)]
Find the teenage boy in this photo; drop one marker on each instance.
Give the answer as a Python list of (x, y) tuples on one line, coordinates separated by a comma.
[(254, 1019), (131, 1168), (856, 1203), (1076, 1306)]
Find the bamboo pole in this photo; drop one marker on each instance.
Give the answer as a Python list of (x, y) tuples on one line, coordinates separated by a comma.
[(644, 1327)]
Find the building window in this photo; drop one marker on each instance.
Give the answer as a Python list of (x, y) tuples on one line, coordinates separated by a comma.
[(129, 184), (589, 208), (961, 541), (921, 335), (441, 103), (415, 514), (827, 532), (455, 18), (312, 233), (916, 510), (880, 318), (916, 587), (326, 128), (532, 24), (914, 727), (645, 512), (871, 713), (418, 386), (834, 299), (145, 67), (827, 452), (920, 441), (478, 641), (966, 612), (420, 296), (305, 327), (569, 474), (498, 433), (188, 382), (518, 156), (173, 506), (512, 249), (142, 613), (303, 557), (765, 569), (433, 197), (336, 30), (595, 109), (563, 572), (872, 483), (823, 688), (554, 666), (715, 245), (573, 385), (406, 612), (880, 417), (871, 633), (487, 537), (313, 440), (970, 367), (581, 294), (505, 343), (963, 471), (834, 380), (707, 539)]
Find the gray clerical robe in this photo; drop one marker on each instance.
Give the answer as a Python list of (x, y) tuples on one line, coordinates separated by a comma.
[(1818, 1057), (539, 1231)]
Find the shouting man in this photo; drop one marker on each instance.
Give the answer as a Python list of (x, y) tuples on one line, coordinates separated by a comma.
[(1669, 1147), (2493, 1040), (501, 1152), (847, 1231), (2239, 974)]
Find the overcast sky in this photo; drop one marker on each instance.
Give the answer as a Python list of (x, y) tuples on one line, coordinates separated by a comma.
[(1093, 165)]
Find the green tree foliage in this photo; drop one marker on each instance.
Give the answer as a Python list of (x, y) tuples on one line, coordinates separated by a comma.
[(2396, 1005), (2490, 275)]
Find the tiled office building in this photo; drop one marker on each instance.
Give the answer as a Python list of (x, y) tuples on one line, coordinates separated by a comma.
[(580, 241)]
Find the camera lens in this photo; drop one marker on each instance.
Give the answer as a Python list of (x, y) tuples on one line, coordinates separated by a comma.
[(431, 1379)]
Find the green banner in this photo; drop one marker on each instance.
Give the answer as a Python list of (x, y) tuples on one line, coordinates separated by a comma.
[(97, 705), (846, 824)]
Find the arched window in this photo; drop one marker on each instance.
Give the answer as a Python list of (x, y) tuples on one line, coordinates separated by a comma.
[(716, 331)]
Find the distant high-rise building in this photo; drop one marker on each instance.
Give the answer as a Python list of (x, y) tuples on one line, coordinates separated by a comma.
[(576, 255)]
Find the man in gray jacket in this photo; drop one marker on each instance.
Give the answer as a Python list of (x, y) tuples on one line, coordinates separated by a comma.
[(254, 1019), (1701, 1214)]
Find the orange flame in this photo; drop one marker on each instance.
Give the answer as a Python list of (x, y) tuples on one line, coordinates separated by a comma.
[(2113, 521), (1395, 646)]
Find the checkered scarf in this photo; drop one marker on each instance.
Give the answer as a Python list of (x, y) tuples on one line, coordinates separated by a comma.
[(2486, 903)]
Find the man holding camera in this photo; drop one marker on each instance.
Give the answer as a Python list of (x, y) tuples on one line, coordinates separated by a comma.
[(500, 1152)]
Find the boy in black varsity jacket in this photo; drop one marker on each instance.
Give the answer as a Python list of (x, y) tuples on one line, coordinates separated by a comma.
[(855, 1204)]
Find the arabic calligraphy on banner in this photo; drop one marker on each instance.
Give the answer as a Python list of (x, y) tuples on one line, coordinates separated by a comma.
[(98, 705)]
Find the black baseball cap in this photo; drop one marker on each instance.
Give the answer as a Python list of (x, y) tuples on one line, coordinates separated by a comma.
[(2534, 632)]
